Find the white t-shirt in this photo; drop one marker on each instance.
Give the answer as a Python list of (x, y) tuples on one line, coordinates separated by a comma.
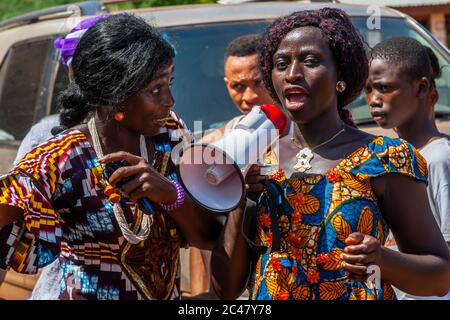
[(437, 155)]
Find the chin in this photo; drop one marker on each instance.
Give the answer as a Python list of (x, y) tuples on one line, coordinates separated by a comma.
[(385, 125)]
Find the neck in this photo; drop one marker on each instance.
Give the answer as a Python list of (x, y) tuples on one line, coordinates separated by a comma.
[(418, 131), (320, 129), (115, 137)]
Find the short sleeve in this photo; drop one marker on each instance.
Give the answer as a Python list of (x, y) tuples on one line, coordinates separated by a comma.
[(34, 241), (439, 190), (178, 130), (386, 155)]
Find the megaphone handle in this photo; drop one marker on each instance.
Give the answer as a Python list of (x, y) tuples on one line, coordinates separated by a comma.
[(146, 206)]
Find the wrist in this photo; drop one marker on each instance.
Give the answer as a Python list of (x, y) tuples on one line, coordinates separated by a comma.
[(178, 200)]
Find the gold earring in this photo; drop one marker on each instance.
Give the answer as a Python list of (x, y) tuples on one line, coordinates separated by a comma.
[(340, 86)]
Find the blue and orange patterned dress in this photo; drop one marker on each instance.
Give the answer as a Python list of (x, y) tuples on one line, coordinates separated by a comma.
[(59, 185), (304, 226)]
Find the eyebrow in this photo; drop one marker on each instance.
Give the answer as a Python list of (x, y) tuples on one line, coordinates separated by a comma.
[(303, 52)]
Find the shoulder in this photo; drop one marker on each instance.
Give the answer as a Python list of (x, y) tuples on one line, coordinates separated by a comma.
[(437, 153), (384, 156), (57, 149), (174, 122), (176, 129)]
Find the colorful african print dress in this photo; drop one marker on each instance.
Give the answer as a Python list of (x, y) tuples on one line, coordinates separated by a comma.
[(304, 225), (59, 187)]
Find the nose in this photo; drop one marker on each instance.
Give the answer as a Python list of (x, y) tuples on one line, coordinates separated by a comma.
[(294, 73), (168, 100), (250, 96), (373, 99)]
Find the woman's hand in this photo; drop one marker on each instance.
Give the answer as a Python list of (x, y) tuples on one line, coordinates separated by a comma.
[(361, 251), (254, 178), (146, 181)]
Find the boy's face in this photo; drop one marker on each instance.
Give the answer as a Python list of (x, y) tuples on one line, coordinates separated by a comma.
[(244, 83), (390, 94)]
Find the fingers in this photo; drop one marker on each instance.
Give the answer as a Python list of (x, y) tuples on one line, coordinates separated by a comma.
[(355, 271), (254, 169), (128, 171), (360, 259), (133, 184), (354, 238), (368, 246), (258, 187), (255, 179), (121, 155), (142, 191), (361, 251)]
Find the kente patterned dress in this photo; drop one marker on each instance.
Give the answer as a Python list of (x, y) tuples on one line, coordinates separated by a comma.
[(304, 224), (59, 186)]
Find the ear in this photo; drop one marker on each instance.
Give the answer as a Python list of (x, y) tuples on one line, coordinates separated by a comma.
[(70, 72), (423, 87), (434, 96)]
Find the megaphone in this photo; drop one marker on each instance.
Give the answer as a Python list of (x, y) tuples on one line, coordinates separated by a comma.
[(213, 174)]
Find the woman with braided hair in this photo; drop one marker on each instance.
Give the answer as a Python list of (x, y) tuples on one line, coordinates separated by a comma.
[(322, 219)]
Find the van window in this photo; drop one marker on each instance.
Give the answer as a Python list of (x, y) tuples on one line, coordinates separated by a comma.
[(20, 86)]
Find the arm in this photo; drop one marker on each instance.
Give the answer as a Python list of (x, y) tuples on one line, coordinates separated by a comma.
[(2, 276), (200, 227), (230, 259), (9, 214), (213, 136), (423, 265)]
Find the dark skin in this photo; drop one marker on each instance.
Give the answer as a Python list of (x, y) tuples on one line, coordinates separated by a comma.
[(144, 114), (304, 77), (402, 103), (399, 102)]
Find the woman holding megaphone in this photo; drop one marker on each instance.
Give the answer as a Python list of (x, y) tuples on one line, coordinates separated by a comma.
[(321, 221)]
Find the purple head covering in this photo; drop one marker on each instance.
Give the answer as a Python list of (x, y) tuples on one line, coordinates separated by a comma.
[(68, 44)]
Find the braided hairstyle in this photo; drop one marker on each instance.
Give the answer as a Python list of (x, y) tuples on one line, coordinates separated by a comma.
[(114, 59), (345, 43)]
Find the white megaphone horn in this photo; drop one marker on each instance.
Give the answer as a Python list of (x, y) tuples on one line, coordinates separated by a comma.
[(213, 174)]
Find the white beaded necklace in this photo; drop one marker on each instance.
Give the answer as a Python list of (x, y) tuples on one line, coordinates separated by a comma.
[(147, 220)]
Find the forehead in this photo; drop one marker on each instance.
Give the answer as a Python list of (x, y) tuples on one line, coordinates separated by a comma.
[(379, 68), (242, 66), (165, 71), (305, 38)]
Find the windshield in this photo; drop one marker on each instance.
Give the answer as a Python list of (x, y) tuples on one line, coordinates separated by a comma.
[(199, 88)]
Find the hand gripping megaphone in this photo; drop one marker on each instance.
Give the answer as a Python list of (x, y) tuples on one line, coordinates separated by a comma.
[(213, 174)]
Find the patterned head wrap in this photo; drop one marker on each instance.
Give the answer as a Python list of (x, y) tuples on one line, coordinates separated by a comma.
[(68, 44)]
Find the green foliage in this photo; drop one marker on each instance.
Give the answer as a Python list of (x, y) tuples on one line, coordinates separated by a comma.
[(11, 8)]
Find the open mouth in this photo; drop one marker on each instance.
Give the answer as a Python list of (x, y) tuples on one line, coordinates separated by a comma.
[(295, 98)]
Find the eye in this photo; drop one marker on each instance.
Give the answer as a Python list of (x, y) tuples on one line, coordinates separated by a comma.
[(311, 61), (156, 90), (171, 81), (281, 64), (237, 86), (368, 89), (383, 88)]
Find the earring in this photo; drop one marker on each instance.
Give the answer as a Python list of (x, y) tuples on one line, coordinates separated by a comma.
[(340, 86), (119, 116)]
